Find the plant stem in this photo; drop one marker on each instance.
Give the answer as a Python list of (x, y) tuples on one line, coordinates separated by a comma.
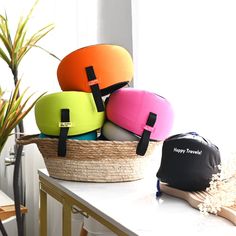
[(16, 190), (18, 155), (15, 77)]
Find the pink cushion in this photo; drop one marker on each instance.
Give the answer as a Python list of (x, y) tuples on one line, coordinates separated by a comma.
[(129, 108)]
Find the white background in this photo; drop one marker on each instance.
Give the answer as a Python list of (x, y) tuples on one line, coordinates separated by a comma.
[(183, 50), (186, 52)]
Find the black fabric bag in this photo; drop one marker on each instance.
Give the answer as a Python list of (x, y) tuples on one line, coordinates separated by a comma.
[(188, 162)]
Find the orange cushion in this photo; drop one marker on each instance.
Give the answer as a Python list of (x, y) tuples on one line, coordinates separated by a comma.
[(112, 65)]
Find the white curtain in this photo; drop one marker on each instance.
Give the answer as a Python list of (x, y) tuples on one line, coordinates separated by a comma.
[(186, 51)]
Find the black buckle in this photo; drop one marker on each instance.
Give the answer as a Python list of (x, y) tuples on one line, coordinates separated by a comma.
[(64, 125), (93, 83), (144, 141)]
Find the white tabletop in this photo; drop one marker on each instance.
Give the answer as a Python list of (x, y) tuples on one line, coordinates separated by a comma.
[(134, 208)]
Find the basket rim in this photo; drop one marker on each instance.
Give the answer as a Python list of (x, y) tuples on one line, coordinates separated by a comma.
[(34, 138)]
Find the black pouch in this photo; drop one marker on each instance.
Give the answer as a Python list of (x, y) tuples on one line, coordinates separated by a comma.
[(188, 162)]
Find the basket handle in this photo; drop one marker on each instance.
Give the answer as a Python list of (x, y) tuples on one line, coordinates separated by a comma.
[(27, 139)]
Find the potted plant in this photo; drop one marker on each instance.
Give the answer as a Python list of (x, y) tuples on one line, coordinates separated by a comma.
[(13, 48), (12, 112)]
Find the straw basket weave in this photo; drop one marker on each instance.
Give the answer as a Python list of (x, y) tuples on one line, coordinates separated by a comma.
[(92, 161)]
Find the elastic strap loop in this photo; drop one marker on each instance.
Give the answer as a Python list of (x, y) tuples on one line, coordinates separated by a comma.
[(93, 83), (64, 129), (144, 141)]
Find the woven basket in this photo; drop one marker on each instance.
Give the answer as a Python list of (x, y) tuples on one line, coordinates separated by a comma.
[(92, 161)]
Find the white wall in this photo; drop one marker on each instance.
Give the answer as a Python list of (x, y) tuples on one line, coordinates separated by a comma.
[(186, 53)]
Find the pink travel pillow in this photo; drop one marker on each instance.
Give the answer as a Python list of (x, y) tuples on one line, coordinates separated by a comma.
[(144, 113)]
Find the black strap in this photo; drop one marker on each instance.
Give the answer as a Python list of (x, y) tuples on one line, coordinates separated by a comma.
[(64, 129), (144, 141), (97, 96)]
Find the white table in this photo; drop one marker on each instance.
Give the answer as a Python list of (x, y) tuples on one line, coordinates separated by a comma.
[(130, 208)]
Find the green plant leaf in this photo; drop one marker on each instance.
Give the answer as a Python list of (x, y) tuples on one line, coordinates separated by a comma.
[(33, 40), (45, 50), (22, 24), (21, 45), (13, 111), (6, 43), (20, 42), (4, 57), (3, 109), (3, 25), (13, 98), (5, 29)]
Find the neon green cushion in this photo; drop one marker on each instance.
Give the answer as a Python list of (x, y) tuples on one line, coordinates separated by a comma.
[(83, 113)]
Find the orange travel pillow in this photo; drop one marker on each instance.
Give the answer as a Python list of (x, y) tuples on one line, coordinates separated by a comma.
[(99, 69)]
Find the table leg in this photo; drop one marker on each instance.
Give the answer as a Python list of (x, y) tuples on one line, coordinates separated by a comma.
[(66, 219), (43, 213)]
